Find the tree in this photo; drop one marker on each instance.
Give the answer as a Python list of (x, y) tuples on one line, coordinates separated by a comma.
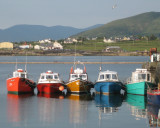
[(153, 37)]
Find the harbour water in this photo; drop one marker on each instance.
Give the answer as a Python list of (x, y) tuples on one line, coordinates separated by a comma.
[(73, 111)]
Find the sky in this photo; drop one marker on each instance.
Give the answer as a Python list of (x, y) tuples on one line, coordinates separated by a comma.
[(74, 13)]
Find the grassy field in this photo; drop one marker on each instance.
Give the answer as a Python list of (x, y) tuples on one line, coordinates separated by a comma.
[(129, 46)]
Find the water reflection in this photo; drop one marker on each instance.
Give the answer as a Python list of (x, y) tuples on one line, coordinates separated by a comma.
[(137, 105), (108, 104), (153, 113), (56, 95), (78, 107), (50, 108), (18, 107)]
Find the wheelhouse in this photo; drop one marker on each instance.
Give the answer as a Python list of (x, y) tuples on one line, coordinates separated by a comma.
[(20, 73), (78, 74), (49, 75), (108, 76), (140, 75)]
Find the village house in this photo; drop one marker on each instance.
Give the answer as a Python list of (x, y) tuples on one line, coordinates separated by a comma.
[(113, 49), (126, 38), (57, 45), (70, 40), (108, 40), (45, 41), (6, 45)]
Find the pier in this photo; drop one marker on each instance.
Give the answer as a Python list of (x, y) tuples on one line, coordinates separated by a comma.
[(71, 62)]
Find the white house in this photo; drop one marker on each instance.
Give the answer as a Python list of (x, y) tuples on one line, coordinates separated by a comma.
[(37, 47), (24, 46), (70, 40), (45, 41), (57, 45), (108, 41)]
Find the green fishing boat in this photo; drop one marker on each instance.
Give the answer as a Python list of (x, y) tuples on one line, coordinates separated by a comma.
[(139, 82)]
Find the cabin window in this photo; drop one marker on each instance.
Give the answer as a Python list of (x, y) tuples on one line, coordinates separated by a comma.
[(82, 77), (23, 75), (114, 76), (55, 77), (74, 76), (49, 77), (42, 77), (141, 76), (16, 74), (101, 77), (108, 76)]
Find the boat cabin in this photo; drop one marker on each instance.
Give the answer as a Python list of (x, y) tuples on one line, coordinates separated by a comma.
[(78, 74), (49, 75), (108, 76), (20, 73), (140, 75)]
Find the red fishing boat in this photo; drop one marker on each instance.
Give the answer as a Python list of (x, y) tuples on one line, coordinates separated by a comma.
[(50, 82), (20, 83)]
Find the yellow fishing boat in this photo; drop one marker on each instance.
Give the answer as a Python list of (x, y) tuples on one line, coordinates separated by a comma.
[(78, 80)]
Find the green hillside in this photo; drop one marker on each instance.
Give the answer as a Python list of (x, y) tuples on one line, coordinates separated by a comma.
[(142, 24)]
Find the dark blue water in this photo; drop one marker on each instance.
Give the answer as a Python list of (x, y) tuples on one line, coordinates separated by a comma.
[(72, 111)]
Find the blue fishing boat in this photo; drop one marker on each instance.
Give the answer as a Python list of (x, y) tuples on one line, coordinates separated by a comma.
[(114, 100), (108, 83)]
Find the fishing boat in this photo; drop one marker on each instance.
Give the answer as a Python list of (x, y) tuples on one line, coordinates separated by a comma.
[(139, 82), (108, 83), (49, 82), (153, 96), (78, 79), (19, 83)]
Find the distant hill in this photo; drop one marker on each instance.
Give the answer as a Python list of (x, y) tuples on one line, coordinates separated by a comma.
[(37, 32), (142, 24)]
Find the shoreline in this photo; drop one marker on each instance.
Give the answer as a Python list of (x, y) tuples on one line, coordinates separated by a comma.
[(69, 53)]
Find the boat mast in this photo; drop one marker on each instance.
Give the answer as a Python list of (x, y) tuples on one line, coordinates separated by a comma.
[(26, 64), (100, 68), (16, 65), (75, 56)]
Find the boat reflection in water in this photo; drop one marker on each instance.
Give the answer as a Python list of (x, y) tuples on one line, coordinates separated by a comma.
[(18, 107), (78, 107), (50, 108), (108, 104), (137, 105), (153, 113), (47, 95)]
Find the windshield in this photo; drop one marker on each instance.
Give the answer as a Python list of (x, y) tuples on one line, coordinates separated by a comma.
[(114, 76), (83, 77), (142, 76), (49, 77), (56, 77), (108, 76)]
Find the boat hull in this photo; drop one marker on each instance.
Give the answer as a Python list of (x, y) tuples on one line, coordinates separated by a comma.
[(18, 85), (138, 101), (153, 97), (79, 86), (139, 88), (108, 87), (49, 88)]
